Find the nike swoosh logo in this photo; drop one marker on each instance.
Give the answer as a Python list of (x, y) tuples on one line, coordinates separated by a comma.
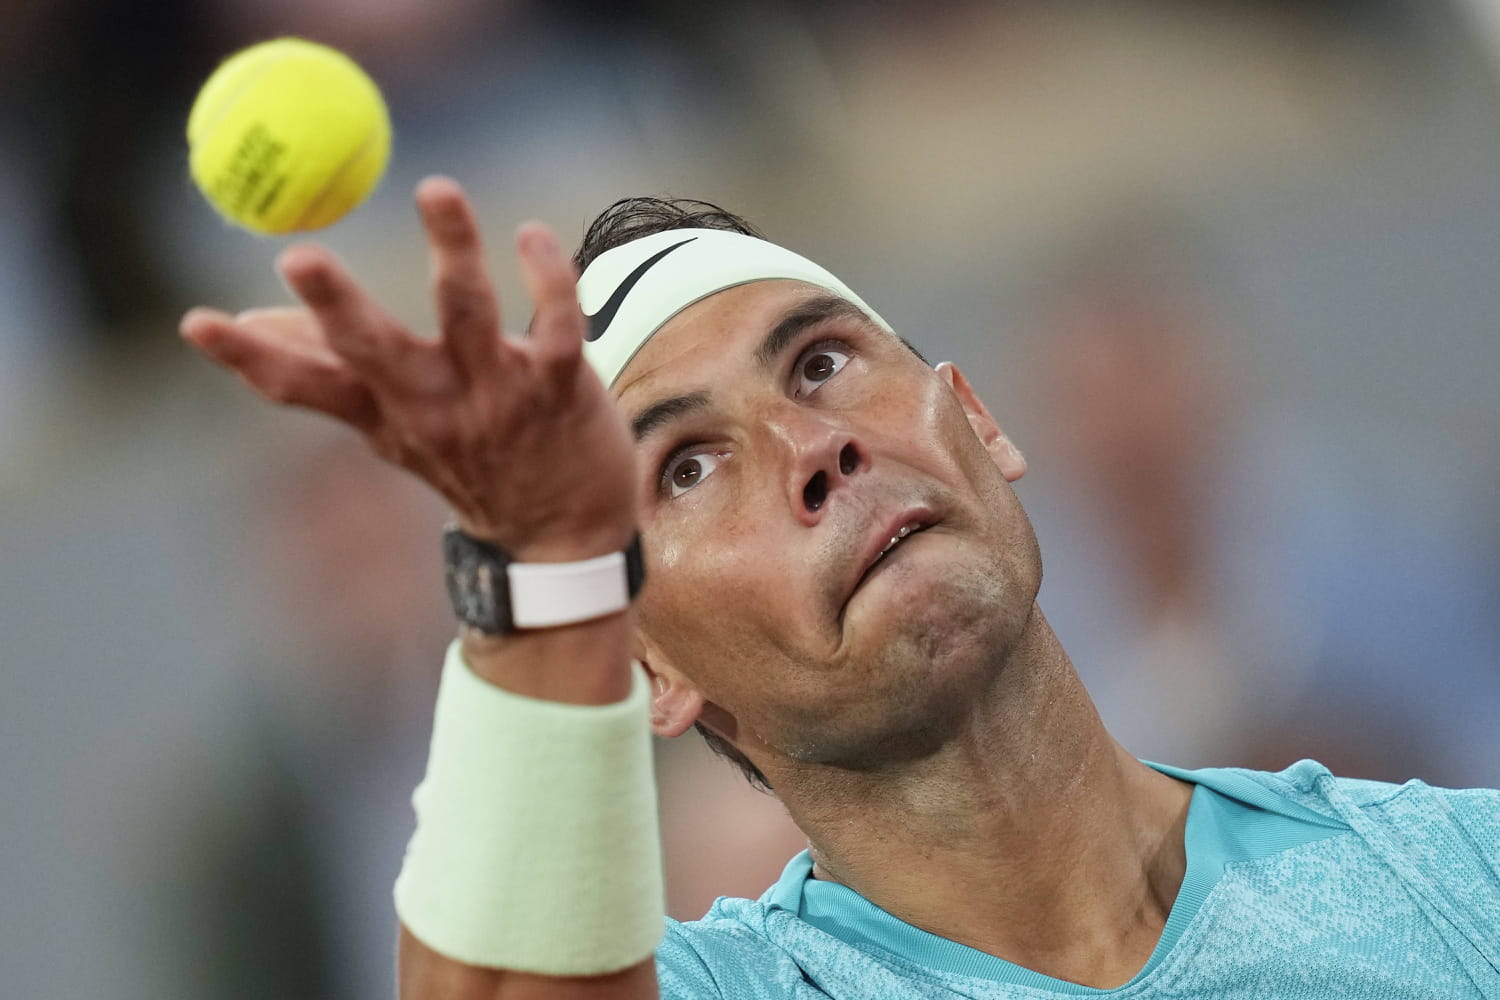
[(599, 321)]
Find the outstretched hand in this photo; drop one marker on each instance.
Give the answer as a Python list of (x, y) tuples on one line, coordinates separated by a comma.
[(519, 435)]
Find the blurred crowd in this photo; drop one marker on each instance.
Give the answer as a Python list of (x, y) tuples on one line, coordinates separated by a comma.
[(1225, 269)]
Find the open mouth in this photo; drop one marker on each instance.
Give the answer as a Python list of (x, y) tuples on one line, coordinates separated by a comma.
[(903, 533)]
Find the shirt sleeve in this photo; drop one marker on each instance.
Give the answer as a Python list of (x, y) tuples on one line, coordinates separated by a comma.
[(726, 958), (681, 972)]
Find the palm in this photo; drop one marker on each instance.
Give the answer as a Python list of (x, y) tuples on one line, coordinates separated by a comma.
[(519, 436)]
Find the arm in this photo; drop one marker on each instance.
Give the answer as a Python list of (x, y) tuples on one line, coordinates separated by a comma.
[(426, 975), (519, 436)]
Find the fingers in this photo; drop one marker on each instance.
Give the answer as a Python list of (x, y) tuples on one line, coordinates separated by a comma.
[(557, 326), (291, 327), (278, 354), (467, 307), (344, 355), (374, 345)]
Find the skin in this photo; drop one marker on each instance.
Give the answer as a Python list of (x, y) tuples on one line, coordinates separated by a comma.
[(933, 707), (755, 585), (921, 723)]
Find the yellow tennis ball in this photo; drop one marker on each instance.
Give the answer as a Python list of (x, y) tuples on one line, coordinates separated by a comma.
[(288, 135)]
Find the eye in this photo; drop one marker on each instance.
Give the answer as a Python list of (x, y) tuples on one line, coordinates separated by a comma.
[(684, 471), (818, 366)]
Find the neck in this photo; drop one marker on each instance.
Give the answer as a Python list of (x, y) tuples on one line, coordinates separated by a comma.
[(1031, 835)]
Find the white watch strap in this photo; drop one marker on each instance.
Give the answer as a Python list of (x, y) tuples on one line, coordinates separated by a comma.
[(543, 595)]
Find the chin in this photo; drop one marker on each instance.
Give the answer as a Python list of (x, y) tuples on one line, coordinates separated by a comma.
[(926, 657), (946, 606)]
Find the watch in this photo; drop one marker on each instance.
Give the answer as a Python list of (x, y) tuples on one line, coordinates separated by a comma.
[(497, 595)]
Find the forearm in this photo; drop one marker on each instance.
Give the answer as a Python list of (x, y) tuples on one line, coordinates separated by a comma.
[(426, 975), (462, 413), (583, 664)]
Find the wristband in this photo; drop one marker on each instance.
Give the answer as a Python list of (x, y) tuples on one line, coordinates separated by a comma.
[(537, 845)]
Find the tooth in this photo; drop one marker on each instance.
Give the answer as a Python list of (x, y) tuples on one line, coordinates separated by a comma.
[(905, 530)]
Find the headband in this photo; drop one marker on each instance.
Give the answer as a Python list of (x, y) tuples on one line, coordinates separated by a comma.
[(632, 290)]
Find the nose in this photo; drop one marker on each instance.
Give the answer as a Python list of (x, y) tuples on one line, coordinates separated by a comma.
[(822, 459)]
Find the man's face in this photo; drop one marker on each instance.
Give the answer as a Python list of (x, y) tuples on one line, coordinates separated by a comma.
[(784, 440)]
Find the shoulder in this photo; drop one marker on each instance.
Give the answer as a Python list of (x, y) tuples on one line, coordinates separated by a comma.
[(1313, 785), (1309, 784), (1413, 813), (726, 954), (1441, 845), (1451, 835), (754, 950)]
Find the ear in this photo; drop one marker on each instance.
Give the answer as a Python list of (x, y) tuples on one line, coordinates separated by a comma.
[(675, 703), (1007, 456)]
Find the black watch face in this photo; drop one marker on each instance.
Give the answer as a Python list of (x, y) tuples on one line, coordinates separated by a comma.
[(476, 583)]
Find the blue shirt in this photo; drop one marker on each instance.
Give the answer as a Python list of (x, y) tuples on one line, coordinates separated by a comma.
[(1298, 885)]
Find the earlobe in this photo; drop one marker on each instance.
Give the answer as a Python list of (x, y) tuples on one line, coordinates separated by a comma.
[(675, 704), (1007, 456)]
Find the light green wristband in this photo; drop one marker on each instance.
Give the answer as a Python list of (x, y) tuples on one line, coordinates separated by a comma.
[(537, 845)]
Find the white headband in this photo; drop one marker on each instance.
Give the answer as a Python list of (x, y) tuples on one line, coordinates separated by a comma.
[(631, 291)]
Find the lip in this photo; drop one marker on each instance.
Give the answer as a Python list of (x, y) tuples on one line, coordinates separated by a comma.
[(879, 536)]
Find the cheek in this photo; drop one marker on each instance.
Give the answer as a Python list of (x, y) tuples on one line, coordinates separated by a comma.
[(710, 592), (928, 416)]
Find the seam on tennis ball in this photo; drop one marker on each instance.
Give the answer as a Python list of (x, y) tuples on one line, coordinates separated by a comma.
[(331, 184), (228, 103)]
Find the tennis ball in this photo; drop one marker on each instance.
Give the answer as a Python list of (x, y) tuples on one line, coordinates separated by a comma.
[(287, 135)]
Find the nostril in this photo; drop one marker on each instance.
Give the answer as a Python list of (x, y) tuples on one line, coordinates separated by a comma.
[(816, 491), (848, 459)]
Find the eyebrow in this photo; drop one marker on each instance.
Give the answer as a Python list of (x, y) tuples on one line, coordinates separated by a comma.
[(658, 414), (805, 314), (810, 313)]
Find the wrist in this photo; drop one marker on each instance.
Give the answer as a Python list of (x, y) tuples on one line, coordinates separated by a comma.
[(498, 593), (587, 663), (537, 846), (557, 546)]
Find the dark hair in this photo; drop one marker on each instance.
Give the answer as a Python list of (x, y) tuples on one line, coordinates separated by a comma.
[(630, 219)]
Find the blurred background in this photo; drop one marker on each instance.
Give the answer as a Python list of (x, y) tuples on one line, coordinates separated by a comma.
[(1227, 270)]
